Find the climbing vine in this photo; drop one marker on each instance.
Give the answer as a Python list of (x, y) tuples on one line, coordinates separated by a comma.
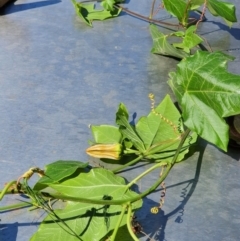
[(98, 204)]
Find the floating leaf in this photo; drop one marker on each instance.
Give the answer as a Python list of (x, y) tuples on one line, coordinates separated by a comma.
[(207, 93), (89, 221)]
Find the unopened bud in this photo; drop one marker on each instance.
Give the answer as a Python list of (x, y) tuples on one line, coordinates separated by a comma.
[(108, 151)]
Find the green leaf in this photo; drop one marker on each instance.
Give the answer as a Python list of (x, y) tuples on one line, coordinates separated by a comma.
[(108, 4), (88, 13), (223, 9), (103, 14), (161, 131), (82, 10), (57, 171), (167, 156), (190, 39), (207, 93), (90, 221), (106, 134), (195, 4), (178, 9), (126, 129), (161, 125), (122, 111), (161, 45)]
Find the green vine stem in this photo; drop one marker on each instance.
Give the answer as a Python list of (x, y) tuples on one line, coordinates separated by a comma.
[(139, 16), (183, 139), (15, 206), (134, 161), (113, 236), (145, 173), (6, 189), (129, 225), (120, 202)]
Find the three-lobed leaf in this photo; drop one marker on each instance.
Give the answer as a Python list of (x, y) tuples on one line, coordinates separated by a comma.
[(190, 39), (207, 93)]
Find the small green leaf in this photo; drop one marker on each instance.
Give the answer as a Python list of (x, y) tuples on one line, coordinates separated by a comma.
[(123, 111), (195, 4), (161, 45), (178, 9), (108, 4), (127, 130), (223, 9), (106, 134), (57, 171), (88, 13), (103, 14), (82, 10), (207, 93), (190, 39)]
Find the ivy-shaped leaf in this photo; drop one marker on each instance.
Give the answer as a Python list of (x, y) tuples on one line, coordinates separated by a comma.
[(224, 10), (161, 45), (190, 39), (82, 10), (178, 9), (89, 221), (88, 13), (207, 93)]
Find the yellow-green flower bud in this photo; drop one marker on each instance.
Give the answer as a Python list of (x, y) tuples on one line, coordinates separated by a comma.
[(108, 151)]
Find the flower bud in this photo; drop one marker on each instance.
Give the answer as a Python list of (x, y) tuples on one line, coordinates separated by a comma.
[(108, 151)]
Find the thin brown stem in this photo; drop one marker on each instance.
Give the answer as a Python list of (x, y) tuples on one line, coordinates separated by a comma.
[(137, 15), (203, 13), (152, 9)]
